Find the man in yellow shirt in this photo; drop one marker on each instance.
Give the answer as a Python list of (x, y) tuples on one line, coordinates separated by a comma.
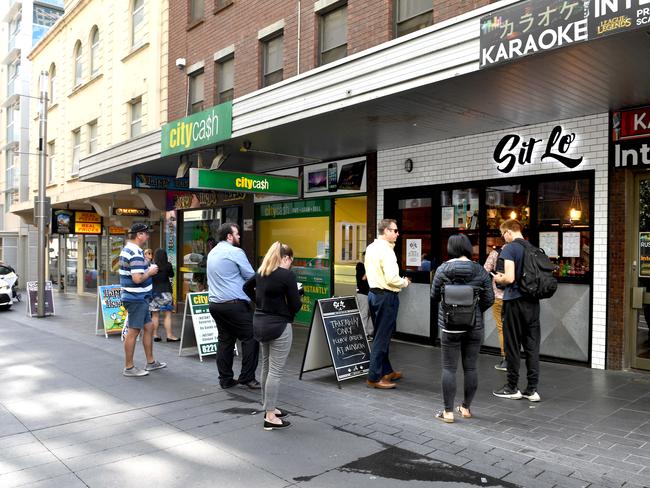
[(385, 284)]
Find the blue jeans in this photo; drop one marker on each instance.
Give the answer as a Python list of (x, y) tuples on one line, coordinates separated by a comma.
[(383, 310)]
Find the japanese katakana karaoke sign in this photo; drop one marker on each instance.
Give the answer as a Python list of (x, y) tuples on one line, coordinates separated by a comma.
[(535, 26)]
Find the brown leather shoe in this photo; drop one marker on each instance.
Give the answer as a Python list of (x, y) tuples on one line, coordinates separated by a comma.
[(382, 384), (395, 375)]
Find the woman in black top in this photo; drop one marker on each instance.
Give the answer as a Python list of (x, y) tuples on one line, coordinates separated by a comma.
[(162, 300), (275, 293), (460, 269)]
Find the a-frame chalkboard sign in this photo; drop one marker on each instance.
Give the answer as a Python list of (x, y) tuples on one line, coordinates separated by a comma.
[(337, 338)]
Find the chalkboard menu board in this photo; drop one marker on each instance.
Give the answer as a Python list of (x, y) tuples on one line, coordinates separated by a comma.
[(337, 326)]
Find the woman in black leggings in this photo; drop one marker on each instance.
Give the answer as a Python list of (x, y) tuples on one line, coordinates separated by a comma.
[(460, 269)]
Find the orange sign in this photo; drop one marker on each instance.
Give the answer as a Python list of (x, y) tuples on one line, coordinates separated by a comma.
[(87, 217), (115, 230), (87, 228)]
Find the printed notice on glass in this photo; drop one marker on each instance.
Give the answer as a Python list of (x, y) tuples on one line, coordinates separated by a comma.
[(571, 244), (644, 254), (548, 242), (447, 217), (413, 252)]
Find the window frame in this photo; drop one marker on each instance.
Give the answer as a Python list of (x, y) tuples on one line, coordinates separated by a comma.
[(221, 95), (135, 122), (397, 22), (52, 84), (137, 29), (76, 152), (269, 75), (322, 19), (93, 139), (192, 14), (78, 64), (193, 81), (94, 51), (51, 161)]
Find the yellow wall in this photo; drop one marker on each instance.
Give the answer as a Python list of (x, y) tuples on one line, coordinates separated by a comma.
[(302, 235)]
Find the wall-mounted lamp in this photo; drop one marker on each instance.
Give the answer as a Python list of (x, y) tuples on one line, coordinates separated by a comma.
[(184, 166), (513, 215), (408, 165), (245, 145)]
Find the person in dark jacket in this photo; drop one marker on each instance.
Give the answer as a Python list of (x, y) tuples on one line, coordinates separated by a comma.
[(460, 269), (275, 292), (362, 298), (163, 300)]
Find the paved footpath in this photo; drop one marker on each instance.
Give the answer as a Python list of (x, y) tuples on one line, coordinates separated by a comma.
[(68, 418)]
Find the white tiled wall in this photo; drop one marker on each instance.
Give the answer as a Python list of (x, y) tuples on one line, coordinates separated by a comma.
[(470, 158)]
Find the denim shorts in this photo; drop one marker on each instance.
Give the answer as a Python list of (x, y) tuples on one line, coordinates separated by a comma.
[(138, 314)]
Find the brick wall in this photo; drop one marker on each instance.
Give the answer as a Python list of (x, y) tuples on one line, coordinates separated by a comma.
[(370, 22), (470, 159)]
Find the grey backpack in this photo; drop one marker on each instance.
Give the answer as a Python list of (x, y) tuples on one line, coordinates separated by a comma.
[(459, 304)]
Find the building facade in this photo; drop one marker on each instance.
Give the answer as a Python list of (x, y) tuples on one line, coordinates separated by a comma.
[(23, 24), (107, 88)]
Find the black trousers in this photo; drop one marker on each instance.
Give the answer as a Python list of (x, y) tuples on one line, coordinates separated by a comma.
[(235, 321), (521, 328)]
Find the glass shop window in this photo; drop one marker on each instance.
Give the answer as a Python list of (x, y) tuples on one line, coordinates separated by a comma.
[(459, 213), (503, 203), (563, 219), (414, 224)]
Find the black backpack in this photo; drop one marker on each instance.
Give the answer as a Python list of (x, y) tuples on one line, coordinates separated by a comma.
[(537, 280), (459, 303)]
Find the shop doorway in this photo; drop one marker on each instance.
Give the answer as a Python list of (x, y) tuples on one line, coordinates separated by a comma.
[(91, 263), (349, 242), (639, 337)]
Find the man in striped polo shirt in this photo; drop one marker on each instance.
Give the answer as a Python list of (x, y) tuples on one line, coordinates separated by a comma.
[(135, 279)]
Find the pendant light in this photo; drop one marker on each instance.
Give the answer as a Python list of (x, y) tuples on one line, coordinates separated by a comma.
[(575, 209)]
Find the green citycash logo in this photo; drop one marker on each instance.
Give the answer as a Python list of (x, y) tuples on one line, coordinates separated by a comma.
[(250, 184), (184, 134)]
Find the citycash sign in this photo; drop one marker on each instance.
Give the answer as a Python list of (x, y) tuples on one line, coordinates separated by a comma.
[(630, 139), (204, 179), (542, 25), (198, 130)]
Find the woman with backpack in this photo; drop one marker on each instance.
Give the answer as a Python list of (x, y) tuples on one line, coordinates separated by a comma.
[(463, 289)]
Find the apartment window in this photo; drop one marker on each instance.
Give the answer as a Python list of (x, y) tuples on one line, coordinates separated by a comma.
[(197, 8), (412, 15), (136, 117), (76, 151), (11, 174), (333, 35), (219, 4), (78, 64), (13, 74), (225, 80), (51, 161), (272, 60), (92, 137), (52, 87), (13, 123), (94, 51), (196, 92), (137, 23), (14, 29)]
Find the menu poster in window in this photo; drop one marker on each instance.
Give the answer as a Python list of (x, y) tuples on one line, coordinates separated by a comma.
[(644, 254), (548, 241), (413, 252), (571, 244), (447, 217)]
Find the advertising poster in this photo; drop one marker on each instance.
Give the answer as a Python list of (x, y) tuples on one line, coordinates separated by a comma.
[(32, 303), (111, 314), (314, 274), (205, 328), (413, 252), (644, 254), (170, 246)]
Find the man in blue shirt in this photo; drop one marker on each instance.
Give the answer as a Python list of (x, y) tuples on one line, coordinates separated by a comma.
[(520, 318), (228, 269), (135, 280)]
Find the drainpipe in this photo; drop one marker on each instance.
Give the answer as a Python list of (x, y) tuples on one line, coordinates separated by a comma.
[(298, 43)]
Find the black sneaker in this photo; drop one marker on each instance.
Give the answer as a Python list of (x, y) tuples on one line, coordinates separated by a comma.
[(507, 392), (271, 426), (531, 395)]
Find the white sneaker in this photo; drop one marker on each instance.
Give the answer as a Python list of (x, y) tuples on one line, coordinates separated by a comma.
[(155, 365), (531, 396), (134, 372)]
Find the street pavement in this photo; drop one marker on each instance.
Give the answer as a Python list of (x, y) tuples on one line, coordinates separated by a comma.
[(68, 418)]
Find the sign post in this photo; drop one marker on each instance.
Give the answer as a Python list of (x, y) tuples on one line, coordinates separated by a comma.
[(205, 337), (32, 299), (337, 326), (111, 314)]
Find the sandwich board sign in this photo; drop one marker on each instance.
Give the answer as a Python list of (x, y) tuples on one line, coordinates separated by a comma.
[(32, 295), (111, 314), (337, 339), (205, 336)]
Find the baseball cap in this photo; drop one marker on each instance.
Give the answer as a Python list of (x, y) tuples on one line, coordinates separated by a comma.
[(139, 227)]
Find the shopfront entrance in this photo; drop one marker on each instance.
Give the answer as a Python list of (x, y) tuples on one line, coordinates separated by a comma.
[(639, 316)]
